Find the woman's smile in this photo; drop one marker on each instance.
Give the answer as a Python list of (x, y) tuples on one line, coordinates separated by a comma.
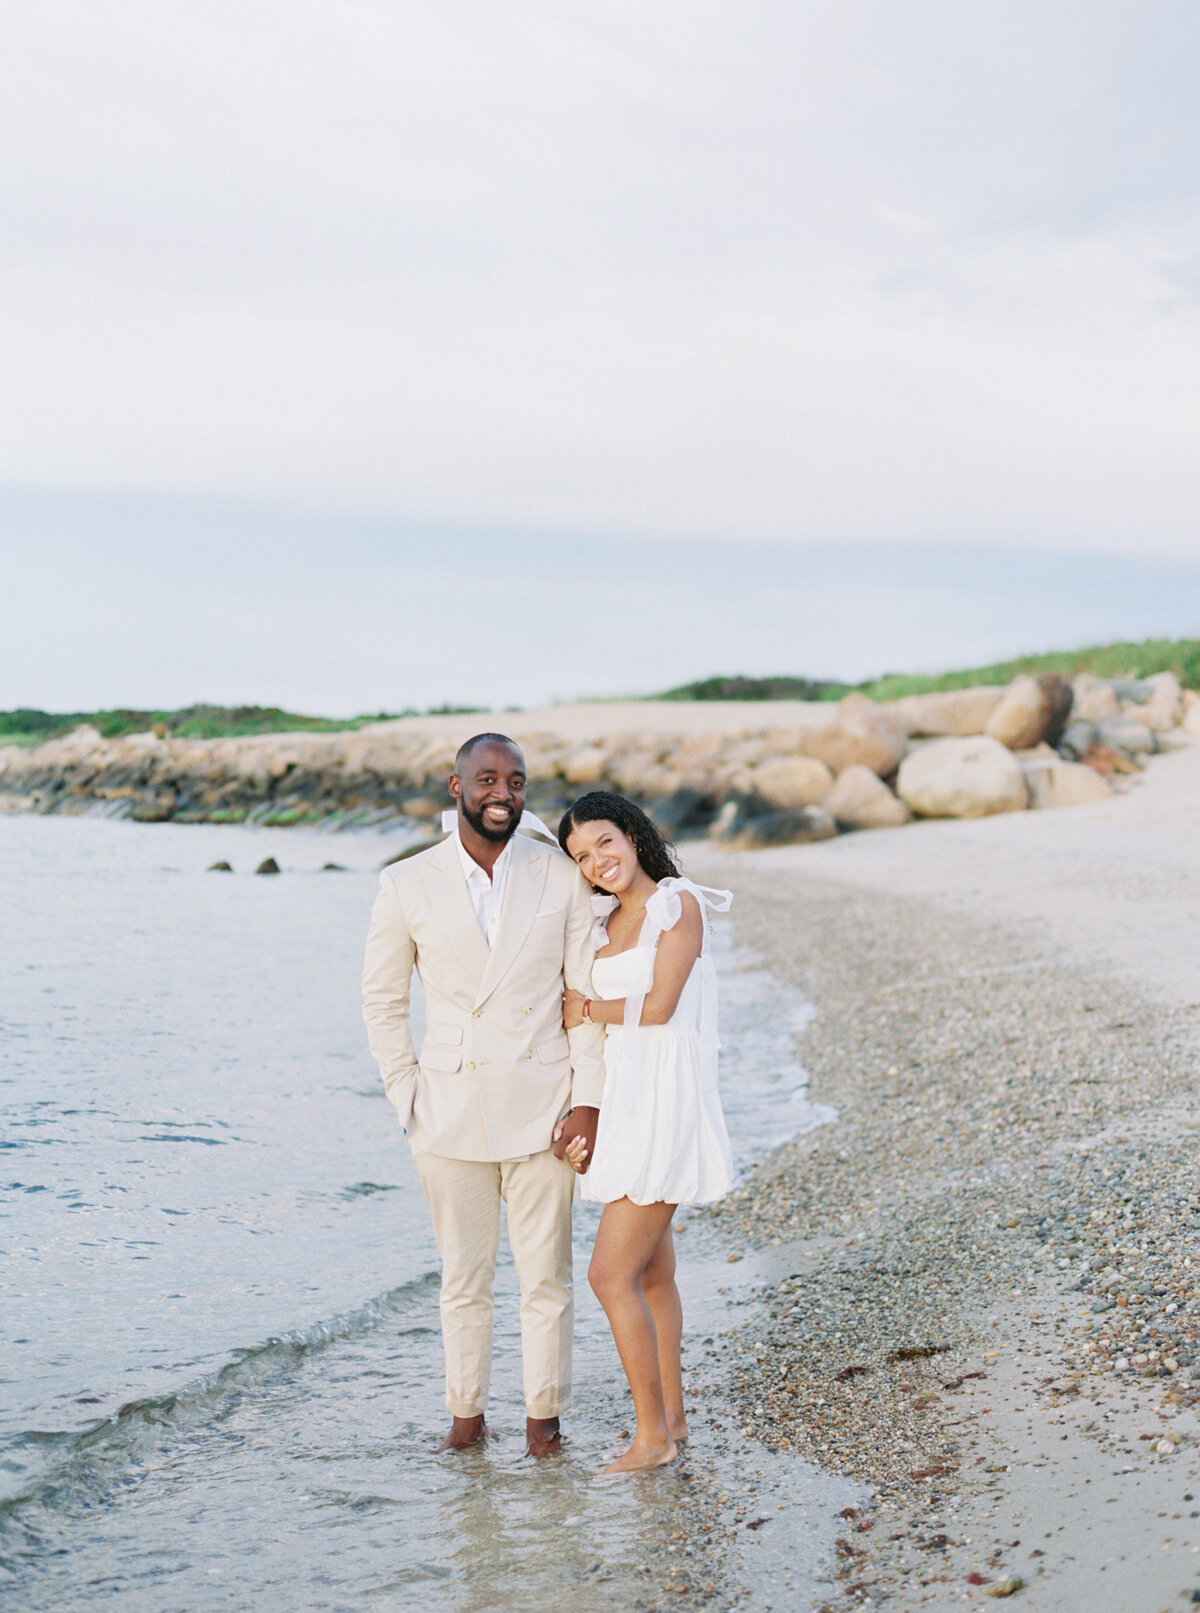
[(606, 856)]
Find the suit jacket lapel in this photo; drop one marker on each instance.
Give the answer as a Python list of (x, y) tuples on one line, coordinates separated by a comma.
[(526, 882), (451, 901)]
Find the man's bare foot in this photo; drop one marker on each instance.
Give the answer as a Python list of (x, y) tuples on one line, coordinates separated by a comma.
[(643, 1454), (542, 1436), (464, 1432)]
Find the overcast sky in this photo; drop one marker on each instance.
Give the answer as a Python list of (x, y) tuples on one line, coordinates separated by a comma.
[(575, 280)]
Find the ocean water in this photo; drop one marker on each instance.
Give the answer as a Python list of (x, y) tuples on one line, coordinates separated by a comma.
[(220, 1365)]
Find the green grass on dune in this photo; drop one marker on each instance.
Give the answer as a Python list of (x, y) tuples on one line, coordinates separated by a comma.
[(739, 688), (1127, 660), (30, 727)]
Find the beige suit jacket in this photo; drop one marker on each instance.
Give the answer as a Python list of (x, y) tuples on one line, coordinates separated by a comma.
[(496, 1070)]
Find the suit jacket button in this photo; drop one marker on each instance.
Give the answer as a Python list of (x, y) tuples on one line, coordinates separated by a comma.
[(527, 1009), (529, 1054), (468, 1066), (477, 1013)]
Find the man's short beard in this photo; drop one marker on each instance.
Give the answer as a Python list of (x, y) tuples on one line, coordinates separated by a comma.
[(498, 837)]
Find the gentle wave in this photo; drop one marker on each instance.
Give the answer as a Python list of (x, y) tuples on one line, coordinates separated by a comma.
[(90, 1462)]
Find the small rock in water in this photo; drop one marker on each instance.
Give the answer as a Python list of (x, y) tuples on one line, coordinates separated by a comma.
[(1007, 1586), (333, 868), (221, 867), (267, 866)]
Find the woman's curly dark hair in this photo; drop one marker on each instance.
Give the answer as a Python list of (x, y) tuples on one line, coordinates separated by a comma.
[(655, 855)]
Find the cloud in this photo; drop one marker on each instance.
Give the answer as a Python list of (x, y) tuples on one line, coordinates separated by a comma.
[(840, 272)]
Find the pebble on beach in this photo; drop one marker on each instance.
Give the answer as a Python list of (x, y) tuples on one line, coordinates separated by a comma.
[(988, 1173)]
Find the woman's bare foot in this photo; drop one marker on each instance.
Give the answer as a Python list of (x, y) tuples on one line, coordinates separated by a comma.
[(643, 1454), (679, 1431), (464, 1432)]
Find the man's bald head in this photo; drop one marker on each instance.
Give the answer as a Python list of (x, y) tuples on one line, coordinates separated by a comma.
[(469, 746)]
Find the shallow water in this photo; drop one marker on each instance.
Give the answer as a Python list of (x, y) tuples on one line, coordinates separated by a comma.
[(221, 1367)]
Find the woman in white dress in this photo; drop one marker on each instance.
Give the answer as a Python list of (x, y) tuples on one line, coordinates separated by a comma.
[(661, 1139)]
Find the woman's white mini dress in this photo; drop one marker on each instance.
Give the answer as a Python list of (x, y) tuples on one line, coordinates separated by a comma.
[(661, 1136)]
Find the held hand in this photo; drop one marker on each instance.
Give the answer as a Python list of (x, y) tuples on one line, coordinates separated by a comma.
[(572, 1009), (577, 1154), (579, 1126)]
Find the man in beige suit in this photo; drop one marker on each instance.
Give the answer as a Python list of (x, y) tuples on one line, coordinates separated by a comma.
[(495, 924)]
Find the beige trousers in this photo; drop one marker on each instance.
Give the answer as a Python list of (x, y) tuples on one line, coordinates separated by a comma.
[(465, 1197)]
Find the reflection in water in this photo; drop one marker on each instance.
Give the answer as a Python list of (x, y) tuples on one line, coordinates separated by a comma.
[(201, 1157)]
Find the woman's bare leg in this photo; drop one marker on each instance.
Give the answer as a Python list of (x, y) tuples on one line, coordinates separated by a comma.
[(662, 1296), (628, 1236)]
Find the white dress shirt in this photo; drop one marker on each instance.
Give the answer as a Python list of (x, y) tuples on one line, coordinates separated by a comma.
[(487, 895)]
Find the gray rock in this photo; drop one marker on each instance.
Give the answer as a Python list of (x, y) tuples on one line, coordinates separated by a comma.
[(1078, 738), (1128, 735), (221, 867), (1135, 689), (682, 810), (267, 866), (780, 828)]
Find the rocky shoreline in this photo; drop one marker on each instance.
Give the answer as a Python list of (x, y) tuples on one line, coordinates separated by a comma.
[(989, 1311), (752, 774)]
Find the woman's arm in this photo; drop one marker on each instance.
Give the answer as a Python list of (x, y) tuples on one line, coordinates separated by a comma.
[(678, 949)]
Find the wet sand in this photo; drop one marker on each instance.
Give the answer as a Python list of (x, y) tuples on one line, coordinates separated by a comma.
[(982, 1292)]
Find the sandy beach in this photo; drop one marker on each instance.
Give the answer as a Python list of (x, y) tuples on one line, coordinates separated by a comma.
[(945, 1348), (988, 1305)]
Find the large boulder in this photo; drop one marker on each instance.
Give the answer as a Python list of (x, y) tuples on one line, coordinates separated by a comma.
[(962, 778), (1055, 783), (861, 800), (629, 769), (1031, 710), (693, 755), (789, 782), (685, 809), (859, 733), (1094, 699), (1164, 709), (1160, 719), (955, 712), (585, 765)]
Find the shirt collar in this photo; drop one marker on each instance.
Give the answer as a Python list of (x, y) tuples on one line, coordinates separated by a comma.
[(471, 868)]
